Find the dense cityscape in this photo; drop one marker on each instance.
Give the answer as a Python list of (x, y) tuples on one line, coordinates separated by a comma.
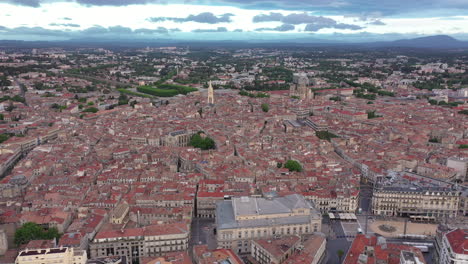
[(179, 154)]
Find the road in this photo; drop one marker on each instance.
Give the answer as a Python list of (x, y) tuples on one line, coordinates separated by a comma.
[(336, 241), (202, 232)]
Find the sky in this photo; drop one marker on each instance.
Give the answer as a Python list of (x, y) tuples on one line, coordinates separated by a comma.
[(254, 20)]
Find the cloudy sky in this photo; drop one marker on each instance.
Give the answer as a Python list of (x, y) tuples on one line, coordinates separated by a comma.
[(343, 20)]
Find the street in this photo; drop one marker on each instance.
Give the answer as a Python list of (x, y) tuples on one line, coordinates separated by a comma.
[(202, 232)]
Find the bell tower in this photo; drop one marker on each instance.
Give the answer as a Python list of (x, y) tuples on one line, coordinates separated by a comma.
[(210, 94)]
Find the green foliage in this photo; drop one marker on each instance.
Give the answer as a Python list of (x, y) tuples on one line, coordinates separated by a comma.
[(335, 98), (366, 96), (463, 146), (4, 81), (39, 86), (372, 114), (91, 110), (57, 106), (278, 73), (428, 85), (2, 117), (279, 165), (16, 98), (202, 143), (90, 103), (340, 254), (32, 231), (4, 137), (82, 100), (370, 102), (48, 94), (254, 95), (325, 135), (293, 165), (179, 88), (372, 91), (434, 140), (385, 93), (295, 97), (125, 91), (123, 99), (433, 102), (463, 112), (265, 108), (166, 90)]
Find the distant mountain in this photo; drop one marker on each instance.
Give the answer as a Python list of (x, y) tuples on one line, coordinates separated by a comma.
[(430, 42)]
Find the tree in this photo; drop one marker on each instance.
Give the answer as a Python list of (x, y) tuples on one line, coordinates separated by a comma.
[(202, 143), (91, 110), (4, 137), (200, 112), (340, 254), (31, 231), (279, 165), (265, 107), (293, 165)]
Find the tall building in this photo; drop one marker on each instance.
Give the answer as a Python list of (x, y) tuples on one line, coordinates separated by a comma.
[(242, 219), (299, 87), (210, 94), (452, 246), (417, 197), (61, 255)]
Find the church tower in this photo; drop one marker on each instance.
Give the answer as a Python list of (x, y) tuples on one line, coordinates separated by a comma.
[(299, 87), (210, 94)]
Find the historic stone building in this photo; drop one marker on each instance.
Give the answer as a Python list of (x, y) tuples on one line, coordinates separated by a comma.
[(299, 87), (242, 219), (417, 197)]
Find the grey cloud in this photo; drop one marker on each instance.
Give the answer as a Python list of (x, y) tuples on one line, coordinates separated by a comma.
[(294, 19), (347, 26), (36, 31), (95, 31), (119, 30), (67, 18), (116, 2), (64, 24), (159, 30), (266, 18), (31, 3), (282, 28), (205, 17), (219, 29), (238, 30), (314, 23), (377, 23), (316, 26), (304, 18)]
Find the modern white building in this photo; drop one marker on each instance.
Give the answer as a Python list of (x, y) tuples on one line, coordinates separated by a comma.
[(453, 247)]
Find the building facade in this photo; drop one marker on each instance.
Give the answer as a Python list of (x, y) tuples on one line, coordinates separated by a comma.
[(452, 247), (242, 219), (417, 197), (61, 255), (299, 88), (133, 243)]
